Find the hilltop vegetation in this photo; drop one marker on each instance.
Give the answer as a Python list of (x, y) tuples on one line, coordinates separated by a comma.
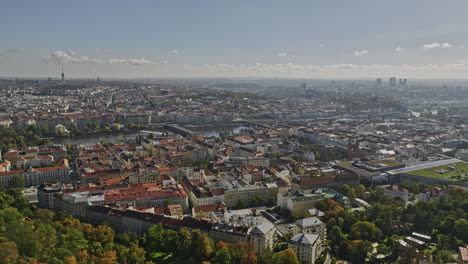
[(29, 234)]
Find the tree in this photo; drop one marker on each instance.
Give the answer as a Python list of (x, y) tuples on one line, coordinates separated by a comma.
[(352, 194), (82, 257), (365, 230), (20, 141), (287, 256), (202, 246), (184, 243), (63, 253), (242, 253), (20, 232), (103, 234), (443, 256), (154, 238), (17, 182), (136, 254), (172, 239), (6, 200), (222, 256), (336, 235), (108, 257), (126, 238), (8, 252), (257, 200), (360, 191), (70, 260), (357, 250), (44, 215), (27, 237), (461, 229), (266, 257), (74, 240), (320, 205)]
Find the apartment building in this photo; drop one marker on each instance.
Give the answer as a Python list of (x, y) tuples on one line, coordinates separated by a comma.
[(307, 247), (37, 176), (241, 192)]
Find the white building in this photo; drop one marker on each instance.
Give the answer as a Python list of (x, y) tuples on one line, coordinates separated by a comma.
[(35, 162), (307, 247), (262, 237), (313, 225)]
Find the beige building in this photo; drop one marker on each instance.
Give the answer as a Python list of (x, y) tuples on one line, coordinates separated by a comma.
[(262, 237), (298, 201), (463, 255), (240, 191), (5, 166), (396, 192)]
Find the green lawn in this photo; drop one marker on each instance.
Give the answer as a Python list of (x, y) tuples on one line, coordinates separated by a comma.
[(389, 163), (346, 163), (460, 168)]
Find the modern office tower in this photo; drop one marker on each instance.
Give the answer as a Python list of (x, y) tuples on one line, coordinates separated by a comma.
[(303, 88), (378, 82)]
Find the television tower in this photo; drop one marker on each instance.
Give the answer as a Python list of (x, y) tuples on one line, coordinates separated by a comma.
[(63, 74)]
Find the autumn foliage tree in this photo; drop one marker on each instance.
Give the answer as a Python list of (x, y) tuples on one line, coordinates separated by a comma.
[(32, 235), (287, 256), (242, 253)]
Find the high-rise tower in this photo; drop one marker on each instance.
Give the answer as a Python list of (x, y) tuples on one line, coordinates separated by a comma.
[(63, 74), (378, 82)]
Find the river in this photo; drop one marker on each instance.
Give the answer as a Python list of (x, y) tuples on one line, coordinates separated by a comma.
[(207, 131)]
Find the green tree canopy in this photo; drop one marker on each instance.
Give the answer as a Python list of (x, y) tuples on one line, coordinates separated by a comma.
[(17, 182), (366, 231)]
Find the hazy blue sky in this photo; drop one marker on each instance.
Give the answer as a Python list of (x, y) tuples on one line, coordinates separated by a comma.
[(251, 38)]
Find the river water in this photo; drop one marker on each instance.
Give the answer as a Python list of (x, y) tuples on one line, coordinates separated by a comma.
[(207, 131)]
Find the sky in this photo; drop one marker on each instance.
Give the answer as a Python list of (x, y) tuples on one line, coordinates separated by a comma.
[(241, 38)]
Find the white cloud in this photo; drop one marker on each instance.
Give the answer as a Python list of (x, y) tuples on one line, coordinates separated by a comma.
[(361, 52), (446, 45), (399, 49), (67, 57), (267, 70), (283, 54), (433, 45), (130, 61), (70, 57), (332, 70), (174, 51)]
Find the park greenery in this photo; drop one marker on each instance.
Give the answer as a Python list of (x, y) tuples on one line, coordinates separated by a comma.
[(18, 138), (351, 233), (29, 234), (33, 235)]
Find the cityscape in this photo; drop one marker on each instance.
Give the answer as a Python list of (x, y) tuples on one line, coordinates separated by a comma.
[(135, 150)]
